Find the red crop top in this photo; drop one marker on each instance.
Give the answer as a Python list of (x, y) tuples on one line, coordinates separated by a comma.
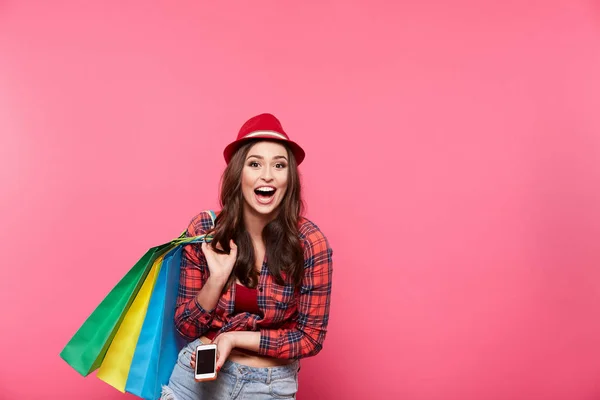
[(246, 300)]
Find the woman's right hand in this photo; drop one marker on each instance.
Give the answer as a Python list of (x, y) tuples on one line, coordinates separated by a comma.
[(220, 265)]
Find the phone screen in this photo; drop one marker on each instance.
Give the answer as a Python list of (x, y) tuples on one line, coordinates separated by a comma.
[(205, 361)]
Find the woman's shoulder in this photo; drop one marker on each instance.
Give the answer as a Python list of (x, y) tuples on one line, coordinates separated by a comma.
[(310, 234), (202, 222)]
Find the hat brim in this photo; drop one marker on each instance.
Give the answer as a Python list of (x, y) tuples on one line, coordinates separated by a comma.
[(232, 147)]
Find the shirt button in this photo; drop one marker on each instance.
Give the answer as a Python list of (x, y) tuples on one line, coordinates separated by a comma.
[(260, 289)]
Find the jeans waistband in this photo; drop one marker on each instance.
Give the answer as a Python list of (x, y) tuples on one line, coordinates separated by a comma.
[(265, 375)]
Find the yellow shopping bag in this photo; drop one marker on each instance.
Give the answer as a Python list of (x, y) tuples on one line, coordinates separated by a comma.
[(115, 367)]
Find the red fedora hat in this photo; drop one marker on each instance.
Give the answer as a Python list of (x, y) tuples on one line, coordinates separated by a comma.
[(263, 126)]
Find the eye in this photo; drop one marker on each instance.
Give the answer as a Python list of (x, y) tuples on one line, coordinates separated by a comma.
[(253, 164), (280, 165)]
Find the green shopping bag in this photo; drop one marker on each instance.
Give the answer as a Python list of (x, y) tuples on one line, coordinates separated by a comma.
[(87, 348)]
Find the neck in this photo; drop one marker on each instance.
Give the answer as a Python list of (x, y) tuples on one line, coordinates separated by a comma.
[(255, 223)]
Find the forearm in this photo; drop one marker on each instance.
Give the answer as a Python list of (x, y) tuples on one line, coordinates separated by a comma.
[(245, 340), (209, 295), (294, 343), (193, 316)]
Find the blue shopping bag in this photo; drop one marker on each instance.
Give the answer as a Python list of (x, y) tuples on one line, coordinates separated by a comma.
[(157, 347), (159, 342)]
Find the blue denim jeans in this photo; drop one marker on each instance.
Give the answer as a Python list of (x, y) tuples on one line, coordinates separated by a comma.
[(234, 381)]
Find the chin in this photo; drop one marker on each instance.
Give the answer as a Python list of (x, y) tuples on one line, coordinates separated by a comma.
[(266, 211)]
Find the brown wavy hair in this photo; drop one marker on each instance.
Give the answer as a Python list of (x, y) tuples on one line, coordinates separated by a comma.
[(285, 258)]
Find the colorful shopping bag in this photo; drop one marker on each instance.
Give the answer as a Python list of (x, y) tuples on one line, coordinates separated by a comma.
[(156, 351), (86, 349), (117, 361), (159, 343)]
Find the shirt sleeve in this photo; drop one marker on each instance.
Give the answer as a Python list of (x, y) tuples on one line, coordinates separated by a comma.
[(191, 320), (306, 338)]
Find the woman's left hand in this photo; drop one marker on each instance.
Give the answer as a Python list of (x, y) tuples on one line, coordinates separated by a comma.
[(225, 343)]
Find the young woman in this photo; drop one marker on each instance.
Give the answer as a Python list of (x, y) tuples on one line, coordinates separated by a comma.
[(261, 288)]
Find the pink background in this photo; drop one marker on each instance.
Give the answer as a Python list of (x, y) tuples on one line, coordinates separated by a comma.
[(453, 162)]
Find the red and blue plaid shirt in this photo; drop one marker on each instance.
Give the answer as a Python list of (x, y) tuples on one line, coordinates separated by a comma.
[(293, 323)]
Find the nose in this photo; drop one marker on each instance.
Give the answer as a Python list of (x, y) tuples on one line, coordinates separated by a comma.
[(267, 174)]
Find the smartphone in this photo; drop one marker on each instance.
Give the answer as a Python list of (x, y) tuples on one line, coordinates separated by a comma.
[(206, 362)]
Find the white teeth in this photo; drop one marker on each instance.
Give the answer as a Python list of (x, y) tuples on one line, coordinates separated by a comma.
[(265, 190)]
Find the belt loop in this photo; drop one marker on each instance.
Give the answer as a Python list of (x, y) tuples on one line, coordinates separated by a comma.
[(269, 375)]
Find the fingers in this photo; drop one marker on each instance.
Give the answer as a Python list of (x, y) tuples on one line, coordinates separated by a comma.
[(220, 360), (223, 351), (208, 248)]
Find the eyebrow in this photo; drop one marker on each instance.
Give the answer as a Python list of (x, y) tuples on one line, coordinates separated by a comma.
[(262, 158)]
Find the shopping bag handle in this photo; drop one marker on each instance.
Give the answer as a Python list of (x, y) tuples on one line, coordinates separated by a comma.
[(183, 239), (194, 239)]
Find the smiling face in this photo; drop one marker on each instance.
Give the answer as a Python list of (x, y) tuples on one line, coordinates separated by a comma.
[(264, 178)]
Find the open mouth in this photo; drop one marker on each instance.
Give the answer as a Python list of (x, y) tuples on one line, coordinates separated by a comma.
[(265, 194)]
